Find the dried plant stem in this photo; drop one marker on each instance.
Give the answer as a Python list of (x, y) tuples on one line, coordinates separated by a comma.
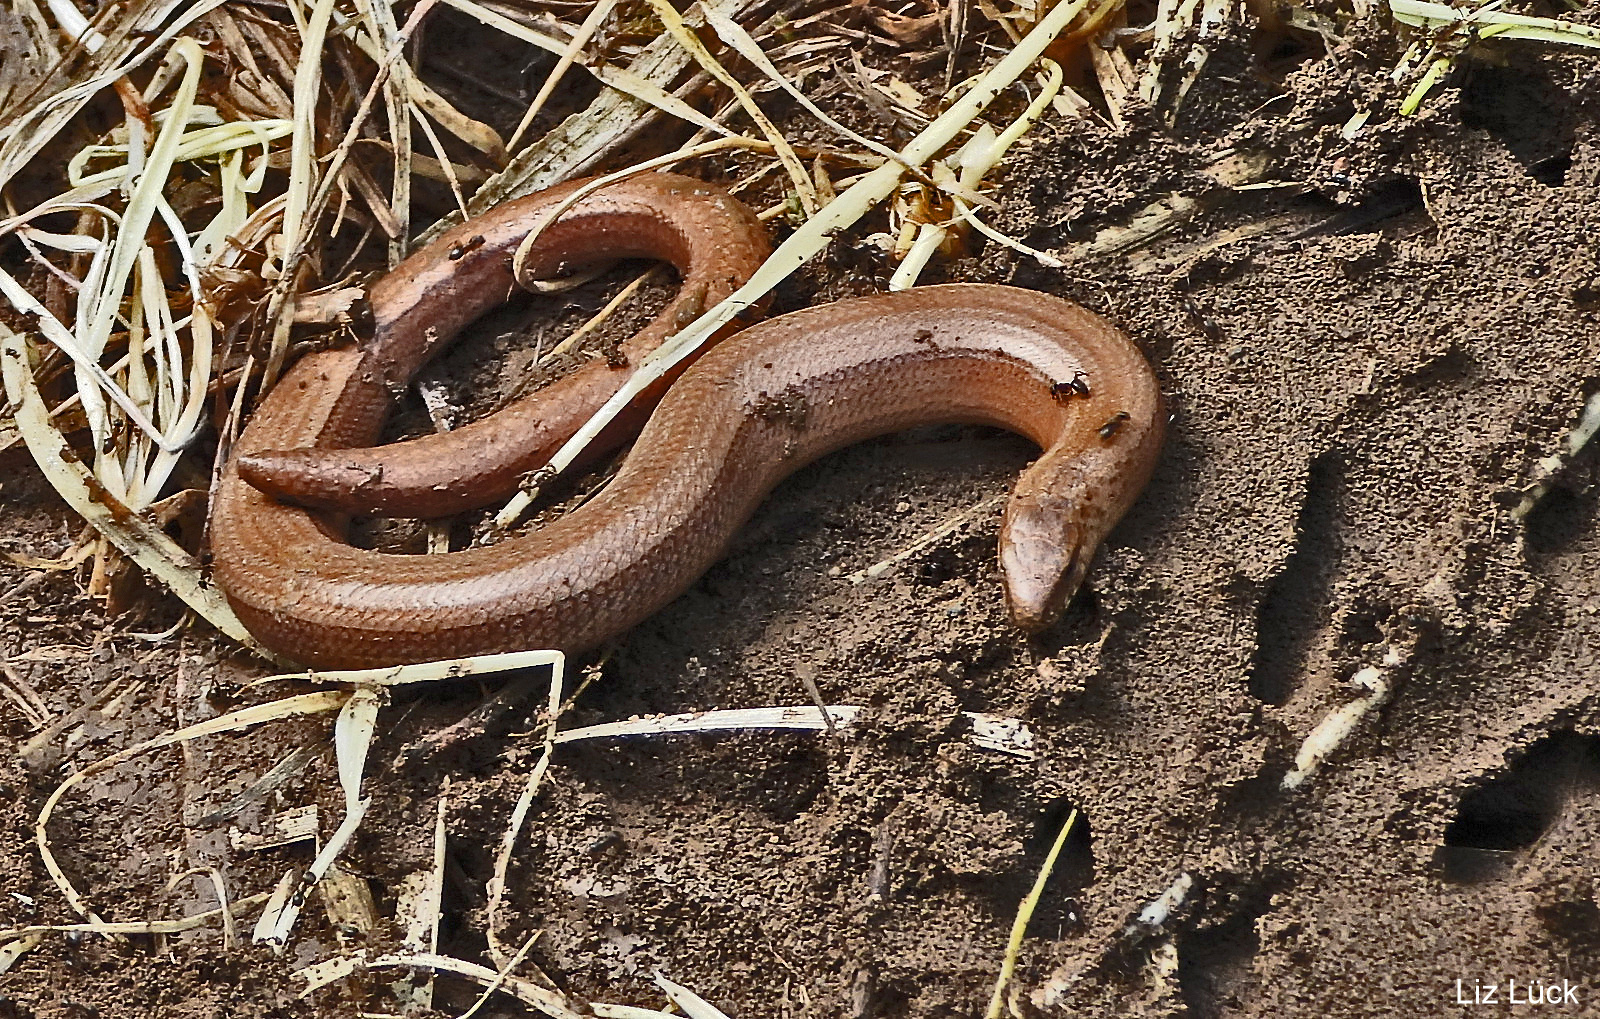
[(813, 235), (1019, 926), (580, 39), (786, 155)]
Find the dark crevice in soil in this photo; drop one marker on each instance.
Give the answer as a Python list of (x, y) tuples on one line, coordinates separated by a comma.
[(1214, 961), (1295, 607), (1575, 924), (1569, 511), (1386, 200), (1256, 799), (1058, 911), (1499, 100), (1561, 518), (1512, 812), (1363, 626)]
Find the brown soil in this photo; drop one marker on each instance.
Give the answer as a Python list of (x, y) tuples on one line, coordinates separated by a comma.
[(1364, 370)]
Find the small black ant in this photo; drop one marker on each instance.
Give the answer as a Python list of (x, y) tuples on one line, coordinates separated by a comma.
[(1112, 427), (1078, 385), (457, 251)]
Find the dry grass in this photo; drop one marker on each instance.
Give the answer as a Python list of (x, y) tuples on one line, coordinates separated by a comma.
[(263, 156)]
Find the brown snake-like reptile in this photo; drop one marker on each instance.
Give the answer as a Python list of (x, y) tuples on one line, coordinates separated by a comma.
[(748, 413)]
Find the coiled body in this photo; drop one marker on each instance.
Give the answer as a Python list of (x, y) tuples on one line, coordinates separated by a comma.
[(751, 411), (713, 240)]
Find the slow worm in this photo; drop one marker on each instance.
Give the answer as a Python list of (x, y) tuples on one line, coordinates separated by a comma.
[(747, 414), (713, 240)]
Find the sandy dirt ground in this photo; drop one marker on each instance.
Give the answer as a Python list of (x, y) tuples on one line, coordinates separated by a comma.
[(1366, 363)]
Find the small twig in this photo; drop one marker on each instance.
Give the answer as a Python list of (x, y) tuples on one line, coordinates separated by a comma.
[(270, 781), (131, 927), (508, 698), (949, 525), (26, 697), (519, 814), (580, 39), (1571, 445), (23, 586), (1376, 683)]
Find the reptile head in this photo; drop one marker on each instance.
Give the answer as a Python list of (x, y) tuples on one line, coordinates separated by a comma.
[(1044, 552)]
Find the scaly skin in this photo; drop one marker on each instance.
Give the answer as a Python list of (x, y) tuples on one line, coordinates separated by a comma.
[(750, 412), (713, 240)]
